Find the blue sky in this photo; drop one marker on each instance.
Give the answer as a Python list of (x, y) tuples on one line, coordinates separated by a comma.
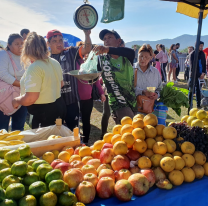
[(144, 19)]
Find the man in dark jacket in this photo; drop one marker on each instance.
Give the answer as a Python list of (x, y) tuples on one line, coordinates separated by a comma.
[(200, 71)]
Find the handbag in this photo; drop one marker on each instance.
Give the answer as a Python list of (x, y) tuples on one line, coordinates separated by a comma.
[(7, 93), (144, 104)]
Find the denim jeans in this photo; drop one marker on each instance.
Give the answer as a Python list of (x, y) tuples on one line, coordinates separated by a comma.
[(197, 90), (18, 119)]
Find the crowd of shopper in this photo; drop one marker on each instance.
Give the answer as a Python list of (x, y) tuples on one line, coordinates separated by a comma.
[(47, 91)]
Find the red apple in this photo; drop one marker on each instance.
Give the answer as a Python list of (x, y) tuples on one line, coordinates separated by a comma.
[(73, 177), (85, 192), (106, 155), (106, 173), (107, 145), (63, 167), (150, 175), (95, 162), (139, 183), (120, 162), (123, 190), (55, 162), (77, 164), (103, 166), (105, 187), (122, 174), (76, 151), (134, 170), (133, 155), (96, 154), (88, 169), (91, 178)]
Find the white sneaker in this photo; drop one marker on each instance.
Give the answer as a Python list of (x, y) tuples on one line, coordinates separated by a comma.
[(175, 82)]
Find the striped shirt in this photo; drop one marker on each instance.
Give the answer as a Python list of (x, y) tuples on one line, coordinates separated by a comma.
[(69, 91), (150, 78)]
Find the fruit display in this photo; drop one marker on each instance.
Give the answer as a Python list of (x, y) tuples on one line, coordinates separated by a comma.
[(10, 138), (28, 181)]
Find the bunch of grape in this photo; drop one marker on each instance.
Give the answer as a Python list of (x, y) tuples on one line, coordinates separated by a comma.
[(196, 135)]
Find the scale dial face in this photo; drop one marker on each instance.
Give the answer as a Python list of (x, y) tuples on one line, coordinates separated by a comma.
[(86, 17)]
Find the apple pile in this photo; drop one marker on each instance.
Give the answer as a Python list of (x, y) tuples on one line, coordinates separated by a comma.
[(138, 154)]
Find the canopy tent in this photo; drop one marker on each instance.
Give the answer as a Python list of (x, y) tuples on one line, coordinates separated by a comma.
[(196, 9)]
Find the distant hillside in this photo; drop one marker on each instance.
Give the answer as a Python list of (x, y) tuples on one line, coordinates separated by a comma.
[(3, 43), (185, 41)]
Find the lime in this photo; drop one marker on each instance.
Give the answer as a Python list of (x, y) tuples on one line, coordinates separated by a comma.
[(4, 164), (4, 173), (28, 200), (30, 178), (12, 156), (57, 186), (43, 169), (37, 188), (9, 180), (48, 199), (3, 151), (2, 194), (15, 191), (30, 162), (67, 199), (29, 169), (19, 168), (7, 202), (66, 189), (55, 174), (24, 150), (37, 163)]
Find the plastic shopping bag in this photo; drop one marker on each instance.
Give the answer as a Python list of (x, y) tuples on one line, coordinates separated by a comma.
[(113, 10), (160, 110), (90, 66)]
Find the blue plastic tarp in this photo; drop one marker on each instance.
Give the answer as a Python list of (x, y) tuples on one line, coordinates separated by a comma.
[(187, 194), (70, 40)]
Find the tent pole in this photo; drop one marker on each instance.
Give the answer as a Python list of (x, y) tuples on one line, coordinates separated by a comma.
[(195, 63)]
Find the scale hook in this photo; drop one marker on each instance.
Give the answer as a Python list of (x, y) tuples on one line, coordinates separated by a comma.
[(86, 2)]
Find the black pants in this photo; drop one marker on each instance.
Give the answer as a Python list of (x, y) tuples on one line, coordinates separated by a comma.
[(46, 114), (177, 70), (163, 71), (186, 73), (106, 116), (86, 110), (197, 90), (72, 115)]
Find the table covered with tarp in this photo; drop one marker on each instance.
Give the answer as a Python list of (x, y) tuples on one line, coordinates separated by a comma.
[(187, 194)]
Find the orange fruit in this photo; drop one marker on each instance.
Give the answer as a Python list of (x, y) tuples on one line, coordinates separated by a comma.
[(86, 159), (48, 157), (128, 138), (150, 142), (171, 145), (160, 148), (150, 131), (139, 116), (127, 128), (98, 145), (74, 157), (117, 129), (177, 153), (167, 164), (187, 148), (107, 137), (140, 145), (69, 149), (150, 119), (116, 138), (126, 120), (148, 153), (120, 148), (65, 156), (137, 123), (85, 151), (159, 129), (159, 139), (155, 159), (144, 163), (138, 133)]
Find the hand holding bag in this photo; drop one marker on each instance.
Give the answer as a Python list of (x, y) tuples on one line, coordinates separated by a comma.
[(7, 93)]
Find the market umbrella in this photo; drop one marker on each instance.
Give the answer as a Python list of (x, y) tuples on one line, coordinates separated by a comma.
[(196, 9)]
